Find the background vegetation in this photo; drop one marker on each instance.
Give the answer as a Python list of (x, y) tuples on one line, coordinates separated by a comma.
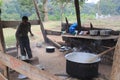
[(57, 10)]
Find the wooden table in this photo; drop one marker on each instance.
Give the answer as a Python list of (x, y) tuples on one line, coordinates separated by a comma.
[(92, 37)]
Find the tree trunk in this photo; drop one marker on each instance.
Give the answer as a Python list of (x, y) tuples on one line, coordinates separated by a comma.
[(45, 10)]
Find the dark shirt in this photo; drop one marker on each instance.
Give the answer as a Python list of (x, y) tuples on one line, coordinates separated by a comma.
[(23, 29)]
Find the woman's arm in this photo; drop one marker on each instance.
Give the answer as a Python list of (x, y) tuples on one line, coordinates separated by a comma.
[(30, 30)]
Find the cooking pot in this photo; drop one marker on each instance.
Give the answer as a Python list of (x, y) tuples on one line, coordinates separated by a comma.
[(50, 49), (77, 65), (93, 32), (105, 32)]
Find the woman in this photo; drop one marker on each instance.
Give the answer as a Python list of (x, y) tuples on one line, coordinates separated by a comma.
[(22, 38)]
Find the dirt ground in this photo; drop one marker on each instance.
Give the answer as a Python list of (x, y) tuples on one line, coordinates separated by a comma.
[(55, 63)]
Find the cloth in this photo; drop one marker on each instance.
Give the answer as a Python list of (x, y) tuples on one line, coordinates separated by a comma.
[(72, 28)]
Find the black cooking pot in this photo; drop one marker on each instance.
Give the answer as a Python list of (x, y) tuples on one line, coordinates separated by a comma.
[(77, 65), (50, 49)]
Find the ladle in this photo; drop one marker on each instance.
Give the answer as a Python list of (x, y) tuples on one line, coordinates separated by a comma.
[(100, 54)]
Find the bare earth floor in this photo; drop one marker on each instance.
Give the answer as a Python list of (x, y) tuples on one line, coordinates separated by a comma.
[(55, 63)]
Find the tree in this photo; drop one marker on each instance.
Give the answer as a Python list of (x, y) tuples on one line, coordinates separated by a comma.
[(25, 7), (45, 10), (109, 6), (43, 7), (63, 3), (116, 5), (9, 11)]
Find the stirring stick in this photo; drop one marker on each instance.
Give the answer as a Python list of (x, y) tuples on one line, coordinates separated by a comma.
[(99, 55)]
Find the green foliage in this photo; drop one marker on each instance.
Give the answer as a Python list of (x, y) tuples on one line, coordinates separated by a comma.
[(12, 16), (88, 9), (87, 16), (9, 35), (25, 7), (55, 17), (15, 9), (0, 3), (33, 17), (109, 6)]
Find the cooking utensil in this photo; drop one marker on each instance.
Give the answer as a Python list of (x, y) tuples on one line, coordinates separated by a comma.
[(99, 55), (93, 32), (105, 32), (76, 65), (50, 49)]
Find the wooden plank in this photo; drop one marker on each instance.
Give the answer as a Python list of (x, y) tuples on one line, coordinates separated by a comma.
[(2, 48), (55, 38), (51, 32), (54, 43), (2, 77), (2, 42), (13, 24), (4, 70), (115, 74), (26, 69), (92, 37)]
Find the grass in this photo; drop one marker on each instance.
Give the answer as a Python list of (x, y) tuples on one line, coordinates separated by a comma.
[(111, 23), (9, 33), (9, 36)]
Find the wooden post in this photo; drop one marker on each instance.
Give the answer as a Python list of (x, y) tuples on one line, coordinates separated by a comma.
[(41, 24), (67, 25), (2, 48), (2, 42), (77, 8), (115, 74)]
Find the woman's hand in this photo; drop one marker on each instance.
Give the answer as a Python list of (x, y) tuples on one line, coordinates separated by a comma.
[(32, 34)]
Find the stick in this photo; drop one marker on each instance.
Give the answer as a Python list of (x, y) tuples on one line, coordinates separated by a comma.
[(99, 55)]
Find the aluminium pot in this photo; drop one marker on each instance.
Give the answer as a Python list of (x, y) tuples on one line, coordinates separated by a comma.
[(105, 32), (93, 32), (77, 65)]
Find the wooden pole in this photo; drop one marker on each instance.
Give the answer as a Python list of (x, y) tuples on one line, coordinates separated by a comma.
[(2, 42), (77, 8), (115, 74), (41, 24), (67, 25), (2, 48)]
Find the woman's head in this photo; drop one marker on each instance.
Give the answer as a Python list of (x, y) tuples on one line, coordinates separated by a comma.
[(24, 18)]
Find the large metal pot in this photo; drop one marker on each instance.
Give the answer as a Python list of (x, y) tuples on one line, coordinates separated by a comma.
[(77, 65)]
